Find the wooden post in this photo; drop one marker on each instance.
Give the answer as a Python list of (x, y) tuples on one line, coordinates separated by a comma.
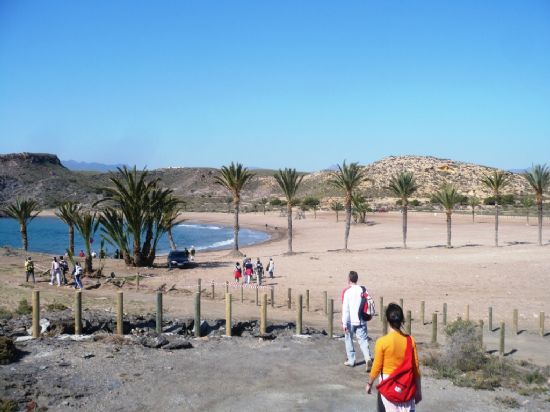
[(263, 315), (289, 298), (35, 314), (384, 321), (78, 313), (325, 302), (382, 313), (501, 342), (159, 312), (422, 311), (228, 314), (199, 287), (226, 286), (434, 328), (515, 322), (257, 296), (197, 315), (330, 315), (481, 327), (137, 281), (401, 304), (272, 296), (541, 324), (213, 291), (490, 322), (408, 322), (307, 300), (120, 314), (444, 314), (299, 315), (242, 293), (467, 313)]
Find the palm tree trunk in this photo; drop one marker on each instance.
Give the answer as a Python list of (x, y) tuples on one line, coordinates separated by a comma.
[(236, 226), (88, 265), (289, 220), (71, 239), (171, 239), (336, 216), (405, 209), (138, 261), (473, 215), (24, 238), (348, 222), (448, 229), (539, 207), (496, 223)]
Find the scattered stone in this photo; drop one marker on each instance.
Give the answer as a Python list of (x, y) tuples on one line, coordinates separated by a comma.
[(88, 355), (154, 341), (178, 344)]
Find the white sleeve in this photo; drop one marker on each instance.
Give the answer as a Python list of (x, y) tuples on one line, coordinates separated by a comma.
[(345, 308)]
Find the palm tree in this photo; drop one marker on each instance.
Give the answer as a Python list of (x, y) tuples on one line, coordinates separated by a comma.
[(403, 185), (87, 223), (337, 207), (348, 178), (263, 202), (360, 207), (527, 203), (289, 181), (496, 182), (24, 211), (234, 178), (539, 179), (169, 220), (474, 202), (137, 205), (66, 212), (313, 203), (448, 197)]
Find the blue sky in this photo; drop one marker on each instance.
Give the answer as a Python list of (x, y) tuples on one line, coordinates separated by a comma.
[(303, 84)]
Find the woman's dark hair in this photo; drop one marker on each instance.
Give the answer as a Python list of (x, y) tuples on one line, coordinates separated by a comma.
[(394, 315)]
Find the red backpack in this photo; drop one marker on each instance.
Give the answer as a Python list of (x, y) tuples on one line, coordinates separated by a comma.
[(366, 308), (400, 386)]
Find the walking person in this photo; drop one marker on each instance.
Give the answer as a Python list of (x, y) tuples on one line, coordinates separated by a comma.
[(270, 267), (192, 252), (64, 267), (77, 275), (395, 355), (55, 272), (353, 324), (259, 271), (248, 270), (237, 272), (29, 269)]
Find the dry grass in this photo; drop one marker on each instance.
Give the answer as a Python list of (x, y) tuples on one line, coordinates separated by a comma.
[(463, 361), (111, 339), (24, 308)]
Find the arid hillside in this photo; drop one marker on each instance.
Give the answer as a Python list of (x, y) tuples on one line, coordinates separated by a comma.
[(44, 178)]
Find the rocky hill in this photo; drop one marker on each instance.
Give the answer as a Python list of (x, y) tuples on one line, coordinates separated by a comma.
[(44, 178)]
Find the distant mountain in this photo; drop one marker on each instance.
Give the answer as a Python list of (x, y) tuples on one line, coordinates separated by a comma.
[(519, 171), (89, 166), (42, 177)]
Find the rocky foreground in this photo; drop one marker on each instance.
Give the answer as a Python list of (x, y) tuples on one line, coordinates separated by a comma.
[(174, 371)]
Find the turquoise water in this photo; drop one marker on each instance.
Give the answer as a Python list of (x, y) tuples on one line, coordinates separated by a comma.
[(50, 235)]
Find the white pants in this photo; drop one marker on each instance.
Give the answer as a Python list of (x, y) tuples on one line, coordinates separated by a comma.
[(55, 274), (409, 406)]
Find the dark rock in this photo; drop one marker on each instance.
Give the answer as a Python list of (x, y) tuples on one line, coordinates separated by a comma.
[(8, 351), (178, 344), (153, 341)]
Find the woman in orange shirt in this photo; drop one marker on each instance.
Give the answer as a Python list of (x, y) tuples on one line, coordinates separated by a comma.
[(394, 351)]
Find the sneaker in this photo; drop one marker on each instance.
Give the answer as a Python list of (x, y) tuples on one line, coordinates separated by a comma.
[(350, 364), (369, 365), (51, 284)]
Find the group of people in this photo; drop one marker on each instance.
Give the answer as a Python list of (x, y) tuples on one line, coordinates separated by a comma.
[(59, 269), (249, 269), (395, 360), (58, 272)]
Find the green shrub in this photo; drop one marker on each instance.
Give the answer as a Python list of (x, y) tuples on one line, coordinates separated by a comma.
[(464, 349), (507, 402), (7, 350), (56, 306), (24, 308), (7, 405), (5, 314)]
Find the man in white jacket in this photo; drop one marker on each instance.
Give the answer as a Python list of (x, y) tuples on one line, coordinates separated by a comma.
[(352, 324)]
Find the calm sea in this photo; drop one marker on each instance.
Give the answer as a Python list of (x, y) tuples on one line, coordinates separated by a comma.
[(50, 235)]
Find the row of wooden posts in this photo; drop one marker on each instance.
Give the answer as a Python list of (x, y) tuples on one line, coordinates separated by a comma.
[(299, 304)]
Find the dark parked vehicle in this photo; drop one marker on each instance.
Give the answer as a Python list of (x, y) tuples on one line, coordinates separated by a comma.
[(178, 258)]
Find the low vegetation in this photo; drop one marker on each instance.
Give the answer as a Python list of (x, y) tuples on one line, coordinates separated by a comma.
[(463, 360), (8, 351), (24, 308)]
